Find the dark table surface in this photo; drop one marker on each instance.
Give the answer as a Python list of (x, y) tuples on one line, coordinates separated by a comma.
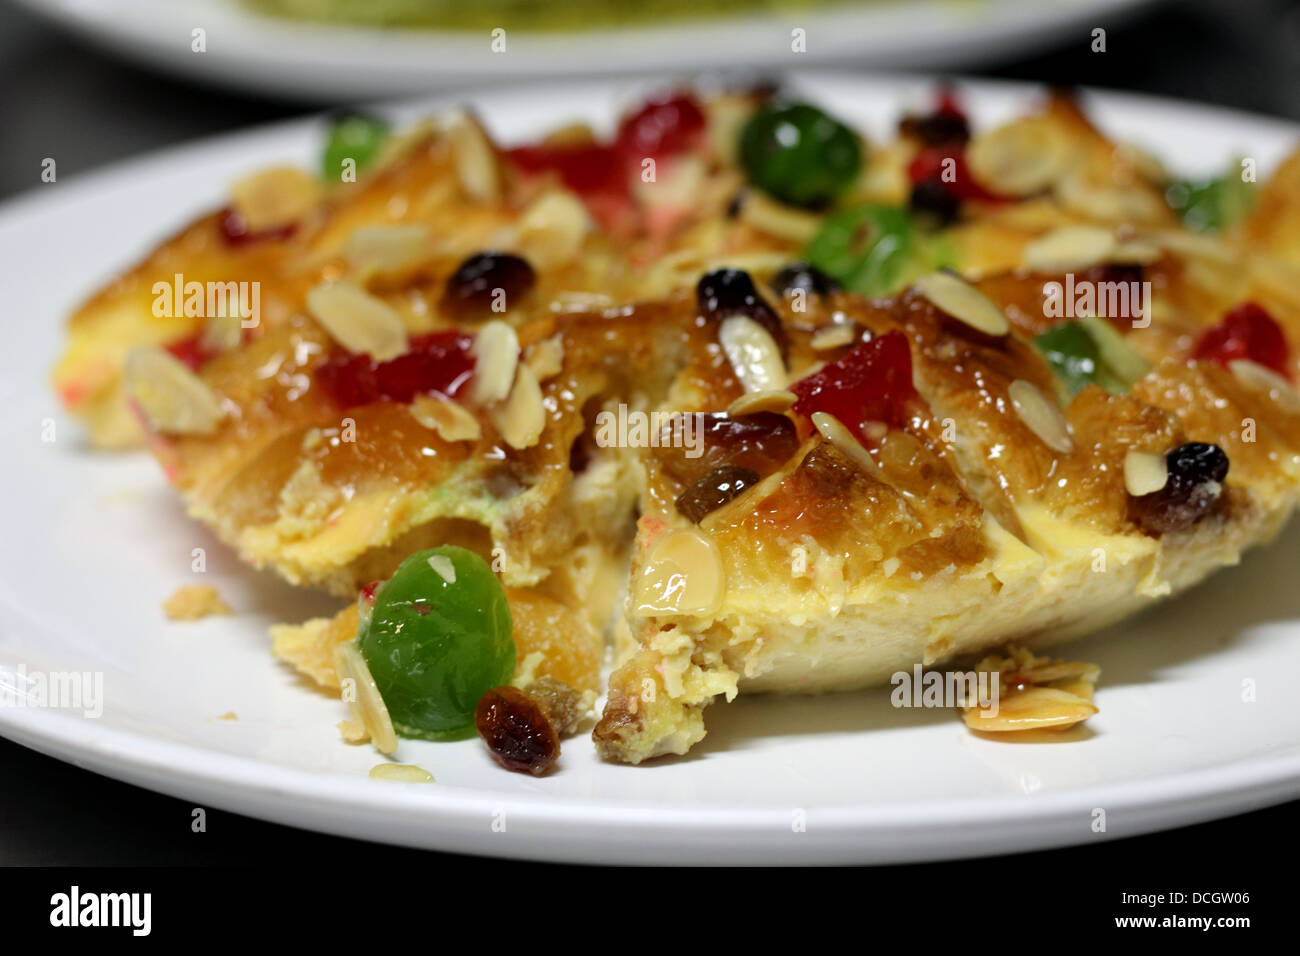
[(60, 98)]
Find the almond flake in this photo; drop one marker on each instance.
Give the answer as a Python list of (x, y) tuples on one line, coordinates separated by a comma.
[(367, 705), (552, 228), (771, 401), (834, 336), (522, 416), (1264, 378), (1018, 158), (452, 422), (443, 567), (958, 298), (275, 197), (388, 250), (1069, 248), (546, 357), (682, 574), (753, 354), (1040, 415), (475, 158), (172, 398), (401, 773), (777, 219), (496, 355), (1145, 473), (833, 430), (357, 320)]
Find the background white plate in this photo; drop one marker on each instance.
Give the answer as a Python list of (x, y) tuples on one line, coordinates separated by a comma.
[(332, 63), (94, 543)]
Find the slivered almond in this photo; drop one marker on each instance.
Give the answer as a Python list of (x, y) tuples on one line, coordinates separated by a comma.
[(751, 402), (1264, 378), (1139, 251), (961, 300), (683, 574), (1040, 415), (753, 353), (401, 773), (496, 356), (1145, 473), (1068, 248), (357, 320), (477, 168), (389, 250), (366, 705), (275, 197), (1018, 158), (833, 430), (546, 357), (452, 422), (522, 416), (834, 336), (172, 398)]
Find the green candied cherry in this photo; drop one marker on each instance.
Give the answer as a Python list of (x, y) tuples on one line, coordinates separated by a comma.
[(1212, 204), (352, 136), (436, 639), (799, 154), (869, 249)]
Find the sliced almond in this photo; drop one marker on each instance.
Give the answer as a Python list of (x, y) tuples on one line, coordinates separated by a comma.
[(833, 430), (752, 402), (753, 353), (522, 416), (552, 229), (1018, 158), (496, 356), (367, 705), (477, 168), (172, 398), (834, 336), (357, 320), (1145, 473), (452, 421), (1261, 377), (275, 197), (1069, 248), (401, 773), (546, 357), (390, 249), (961, 300), (682, 574), (1040, 415), (1034, 708), (777, 219), (223, 333)]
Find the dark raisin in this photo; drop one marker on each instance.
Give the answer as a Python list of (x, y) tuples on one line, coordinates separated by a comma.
[(936, 129), (760, 442), (473, 287), (714, 490), (932, 200), (1196, 474), (801, 277), (727, 292), (517, 731)]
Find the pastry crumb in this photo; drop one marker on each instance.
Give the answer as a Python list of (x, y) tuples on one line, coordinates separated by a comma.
[(193, 602), (228, 715), (353, 731)]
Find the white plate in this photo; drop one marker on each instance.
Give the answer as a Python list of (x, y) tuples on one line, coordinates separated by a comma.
[(94, 543), (331, 63)]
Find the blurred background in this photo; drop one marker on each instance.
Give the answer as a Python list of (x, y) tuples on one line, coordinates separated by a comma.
[(94, 81)]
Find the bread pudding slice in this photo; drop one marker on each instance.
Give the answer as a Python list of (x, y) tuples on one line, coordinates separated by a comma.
[(637, 402)]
